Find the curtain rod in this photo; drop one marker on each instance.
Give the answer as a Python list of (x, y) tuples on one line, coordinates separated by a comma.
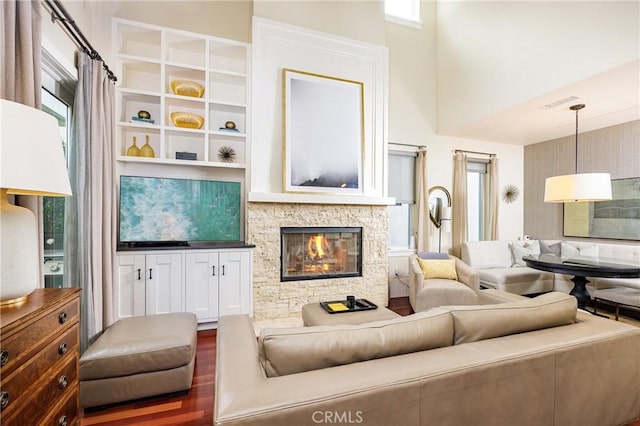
[(59, 13), (406, 144), (475, 152)]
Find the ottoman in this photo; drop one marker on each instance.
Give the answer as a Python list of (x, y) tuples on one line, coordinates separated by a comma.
[(314, 314), (139, 357), (626, 297)]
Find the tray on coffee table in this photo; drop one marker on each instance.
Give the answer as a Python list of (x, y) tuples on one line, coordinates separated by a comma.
[(341, 307)]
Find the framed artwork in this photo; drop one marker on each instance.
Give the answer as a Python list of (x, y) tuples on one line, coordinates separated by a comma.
[(323, 133), (617, 219)]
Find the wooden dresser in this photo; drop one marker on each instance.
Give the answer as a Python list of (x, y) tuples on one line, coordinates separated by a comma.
[(39, 349)]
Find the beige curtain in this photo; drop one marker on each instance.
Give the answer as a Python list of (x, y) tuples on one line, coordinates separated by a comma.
[(20, 78), (90, 215), (492, 201), (422, 202), (459, 203)]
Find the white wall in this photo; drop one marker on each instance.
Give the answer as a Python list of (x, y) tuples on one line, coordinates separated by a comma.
[(277, 46), (413, 114), (525, 49)]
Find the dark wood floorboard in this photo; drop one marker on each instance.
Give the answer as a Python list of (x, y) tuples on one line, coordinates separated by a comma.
[(196, 407)]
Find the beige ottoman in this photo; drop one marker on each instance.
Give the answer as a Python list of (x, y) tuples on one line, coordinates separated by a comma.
[(314, 314), (625, 297), (139, 357)]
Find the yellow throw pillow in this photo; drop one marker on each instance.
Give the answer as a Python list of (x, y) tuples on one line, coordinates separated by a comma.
[(438, 268)]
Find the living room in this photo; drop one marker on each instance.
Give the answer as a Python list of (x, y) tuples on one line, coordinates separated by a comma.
[(472, 76)]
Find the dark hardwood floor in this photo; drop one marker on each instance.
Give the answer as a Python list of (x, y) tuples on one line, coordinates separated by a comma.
[(195, 407)]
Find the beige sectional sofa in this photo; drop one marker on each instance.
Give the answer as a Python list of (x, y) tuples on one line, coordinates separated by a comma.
[(526, 362), (498, 267)]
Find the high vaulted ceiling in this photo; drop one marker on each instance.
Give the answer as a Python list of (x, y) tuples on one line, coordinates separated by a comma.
[(611, 98)]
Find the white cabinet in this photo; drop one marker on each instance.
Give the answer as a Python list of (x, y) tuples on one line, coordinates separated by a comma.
[(210, 283), (148, 284), (148, 59), (201, 291), (235, 283)]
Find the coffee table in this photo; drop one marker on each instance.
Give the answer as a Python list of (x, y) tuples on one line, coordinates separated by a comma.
[(582, 267)]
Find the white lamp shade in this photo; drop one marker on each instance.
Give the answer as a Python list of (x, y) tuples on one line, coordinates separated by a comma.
[(577, 188), (31, 155)]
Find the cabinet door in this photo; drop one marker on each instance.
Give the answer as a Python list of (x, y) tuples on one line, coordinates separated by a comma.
[(201, 285), (235, 282), (164, 283), (129, 289)]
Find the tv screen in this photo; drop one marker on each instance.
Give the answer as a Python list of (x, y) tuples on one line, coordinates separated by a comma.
[(178, 210)]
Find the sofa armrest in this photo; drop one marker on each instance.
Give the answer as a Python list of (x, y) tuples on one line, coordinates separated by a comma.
[(467, 275), (416, 279), (237, 366)]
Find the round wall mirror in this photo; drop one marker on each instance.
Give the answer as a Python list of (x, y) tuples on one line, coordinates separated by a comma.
[(439, 197)]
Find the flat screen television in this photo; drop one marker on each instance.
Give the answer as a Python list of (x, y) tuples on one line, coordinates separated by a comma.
[(168, 211)]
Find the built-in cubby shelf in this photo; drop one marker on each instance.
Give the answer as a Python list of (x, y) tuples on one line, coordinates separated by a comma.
[(148, 59)]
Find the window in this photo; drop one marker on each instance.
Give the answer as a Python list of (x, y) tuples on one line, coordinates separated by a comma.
[(53, 207), (404, 12), (401, 186), (58, 87), (476, 177)]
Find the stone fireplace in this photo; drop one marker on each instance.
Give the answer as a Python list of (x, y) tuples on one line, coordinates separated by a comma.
[(276, 299)]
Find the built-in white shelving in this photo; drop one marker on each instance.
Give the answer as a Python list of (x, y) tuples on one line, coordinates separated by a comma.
[(148, 59)]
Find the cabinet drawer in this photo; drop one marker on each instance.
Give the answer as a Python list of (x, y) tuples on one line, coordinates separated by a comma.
[(15, 387), (59, 384), (18, 347), (66, 413)]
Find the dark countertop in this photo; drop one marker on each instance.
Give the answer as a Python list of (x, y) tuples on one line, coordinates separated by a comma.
[(198, 245)]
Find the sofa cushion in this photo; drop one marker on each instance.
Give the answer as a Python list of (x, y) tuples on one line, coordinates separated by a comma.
[(293, 350), (438, 268), (487, 254), (505, 276), (520, 250), (569, 250), (550, 248), (473, 323), (432, 255)]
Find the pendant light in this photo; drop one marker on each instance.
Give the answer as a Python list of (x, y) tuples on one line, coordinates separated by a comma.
[(577, 187)]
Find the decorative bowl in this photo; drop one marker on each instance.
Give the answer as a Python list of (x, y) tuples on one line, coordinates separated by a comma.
[(187, 88), (187, 120)]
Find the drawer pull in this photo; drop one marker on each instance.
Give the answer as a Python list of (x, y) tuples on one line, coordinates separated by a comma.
[(213, 271), (4, 400), (62, 382), (4, 357), (62, 348), (62, 318), (222, 269), (62, 421)]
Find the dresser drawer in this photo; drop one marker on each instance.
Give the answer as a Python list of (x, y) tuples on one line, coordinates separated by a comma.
[(66, 413), (16, 386), (15, 349)]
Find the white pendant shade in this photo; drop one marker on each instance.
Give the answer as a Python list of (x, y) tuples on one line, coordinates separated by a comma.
[(578, 187)]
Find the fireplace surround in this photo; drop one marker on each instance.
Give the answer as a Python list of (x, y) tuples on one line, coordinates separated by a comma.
[(308, 253)]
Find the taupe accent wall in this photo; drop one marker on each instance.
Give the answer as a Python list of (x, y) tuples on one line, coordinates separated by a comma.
[(614, 150)]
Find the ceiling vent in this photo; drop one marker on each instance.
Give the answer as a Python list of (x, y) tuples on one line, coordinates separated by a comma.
[(560, 102)]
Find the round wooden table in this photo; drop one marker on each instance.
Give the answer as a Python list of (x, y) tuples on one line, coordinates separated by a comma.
[(582, 267)]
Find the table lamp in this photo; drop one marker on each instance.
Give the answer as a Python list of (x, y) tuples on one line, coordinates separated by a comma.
[(32, 162)]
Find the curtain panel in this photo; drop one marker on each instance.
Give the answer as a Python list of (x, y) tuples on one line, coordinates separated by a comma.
[(422, 203), (492, 201), (459, 203), (90, 215), (21, 80)]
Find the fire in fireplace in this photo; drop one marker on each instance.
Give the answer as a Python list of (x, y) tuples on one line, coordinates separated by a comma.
[(320, 252)]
